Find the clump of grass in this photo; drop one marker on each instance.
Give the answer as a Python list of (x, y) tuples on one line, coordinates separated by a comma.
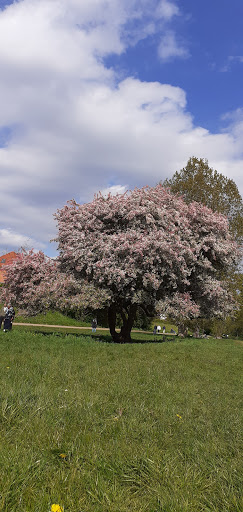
[(104, 427)]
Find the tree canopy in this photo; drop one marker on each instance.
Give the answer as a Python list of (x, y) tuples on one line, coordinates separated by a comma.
[(199, 182), (35, 283), (148, 248)]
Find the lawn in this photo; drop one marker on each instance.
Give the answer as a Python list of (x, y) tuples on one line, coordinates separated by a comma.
[(99, 427), (102, 334), (52, 318)]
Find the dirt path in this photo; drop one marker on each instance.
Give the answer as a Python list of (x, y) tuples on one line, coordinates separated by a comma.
[(79, 328), (61, 326)]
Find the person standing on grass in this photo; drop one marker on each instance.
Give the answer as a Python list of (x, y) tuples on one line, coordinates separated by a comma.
[(9, 318), (94, 325), (11, 312)]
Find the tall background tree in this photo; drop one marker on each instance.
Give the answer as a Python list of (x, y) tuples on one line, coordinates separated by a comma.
[(199, 182), (145, 248)]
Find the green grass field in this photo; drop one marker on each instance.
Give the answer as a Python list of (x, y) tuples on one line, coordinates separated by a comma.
[(51, 317), (99, 427)]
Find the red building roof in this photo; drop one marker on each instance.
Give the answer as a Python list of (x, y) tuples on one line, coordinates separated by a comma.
[(5, 260)]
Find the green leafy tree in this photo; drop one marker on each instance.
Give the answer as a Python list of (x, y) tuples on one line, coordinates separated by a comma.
[(235, 325), (199, 182)]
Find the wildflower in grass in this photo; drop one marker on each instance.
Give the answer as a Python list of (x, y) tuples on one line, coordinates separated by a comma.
[(63, 455), (115, 418), (56, 508), (178, 416)]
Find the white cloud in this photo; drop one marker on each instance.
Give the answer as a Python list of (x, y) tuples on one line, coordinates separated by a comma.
[(79, 127), (232, 59), (10, 239), (170, 48), (167, 9), (114, 190), (234, 120), (236, 58)]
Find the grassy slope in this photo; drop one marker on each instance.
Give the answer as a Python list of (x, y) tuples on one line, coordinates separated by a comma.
[(113, 412), (51, 318)]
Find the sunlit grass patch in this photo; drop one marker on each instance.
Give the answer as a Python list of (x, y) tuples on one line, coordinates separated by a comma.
[(91, 426)]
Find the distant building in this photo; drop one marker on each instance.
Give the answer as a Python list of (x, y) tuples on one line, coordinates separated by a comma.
[(6, 259)]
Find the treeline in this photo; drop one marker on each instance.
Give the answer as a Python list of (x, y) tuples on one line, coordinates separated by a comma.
[(197, 181)]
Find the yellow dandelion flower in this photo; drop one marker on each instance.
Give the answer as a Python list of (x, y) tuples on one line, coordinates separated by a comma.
[(63, 455), (178, 416), (56, 508)]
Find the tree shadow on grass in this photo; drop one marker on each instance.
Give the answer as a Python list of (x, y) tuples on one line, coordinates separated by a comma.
[(106, 338)]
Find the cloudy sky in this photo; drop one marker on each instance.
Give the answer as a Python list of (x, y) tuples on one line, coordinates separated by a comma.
[(111, 94)]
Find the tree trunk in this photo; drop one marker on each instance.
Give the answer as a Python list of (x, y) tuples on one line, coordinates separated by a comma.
[(182, 330), (128, 316)]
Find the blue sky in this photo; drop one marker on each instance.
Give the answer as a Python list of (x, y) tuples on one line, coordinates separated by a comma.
[(109, 95), (211, 74)]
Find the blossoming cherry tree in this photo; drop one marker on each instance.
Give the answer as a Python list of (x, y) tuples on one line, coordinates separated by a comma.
[(147, 248)]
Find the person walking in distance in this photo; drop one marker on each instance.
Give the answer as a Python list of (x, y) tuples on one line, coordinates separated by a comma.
[(94, 325), (9, 318)]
